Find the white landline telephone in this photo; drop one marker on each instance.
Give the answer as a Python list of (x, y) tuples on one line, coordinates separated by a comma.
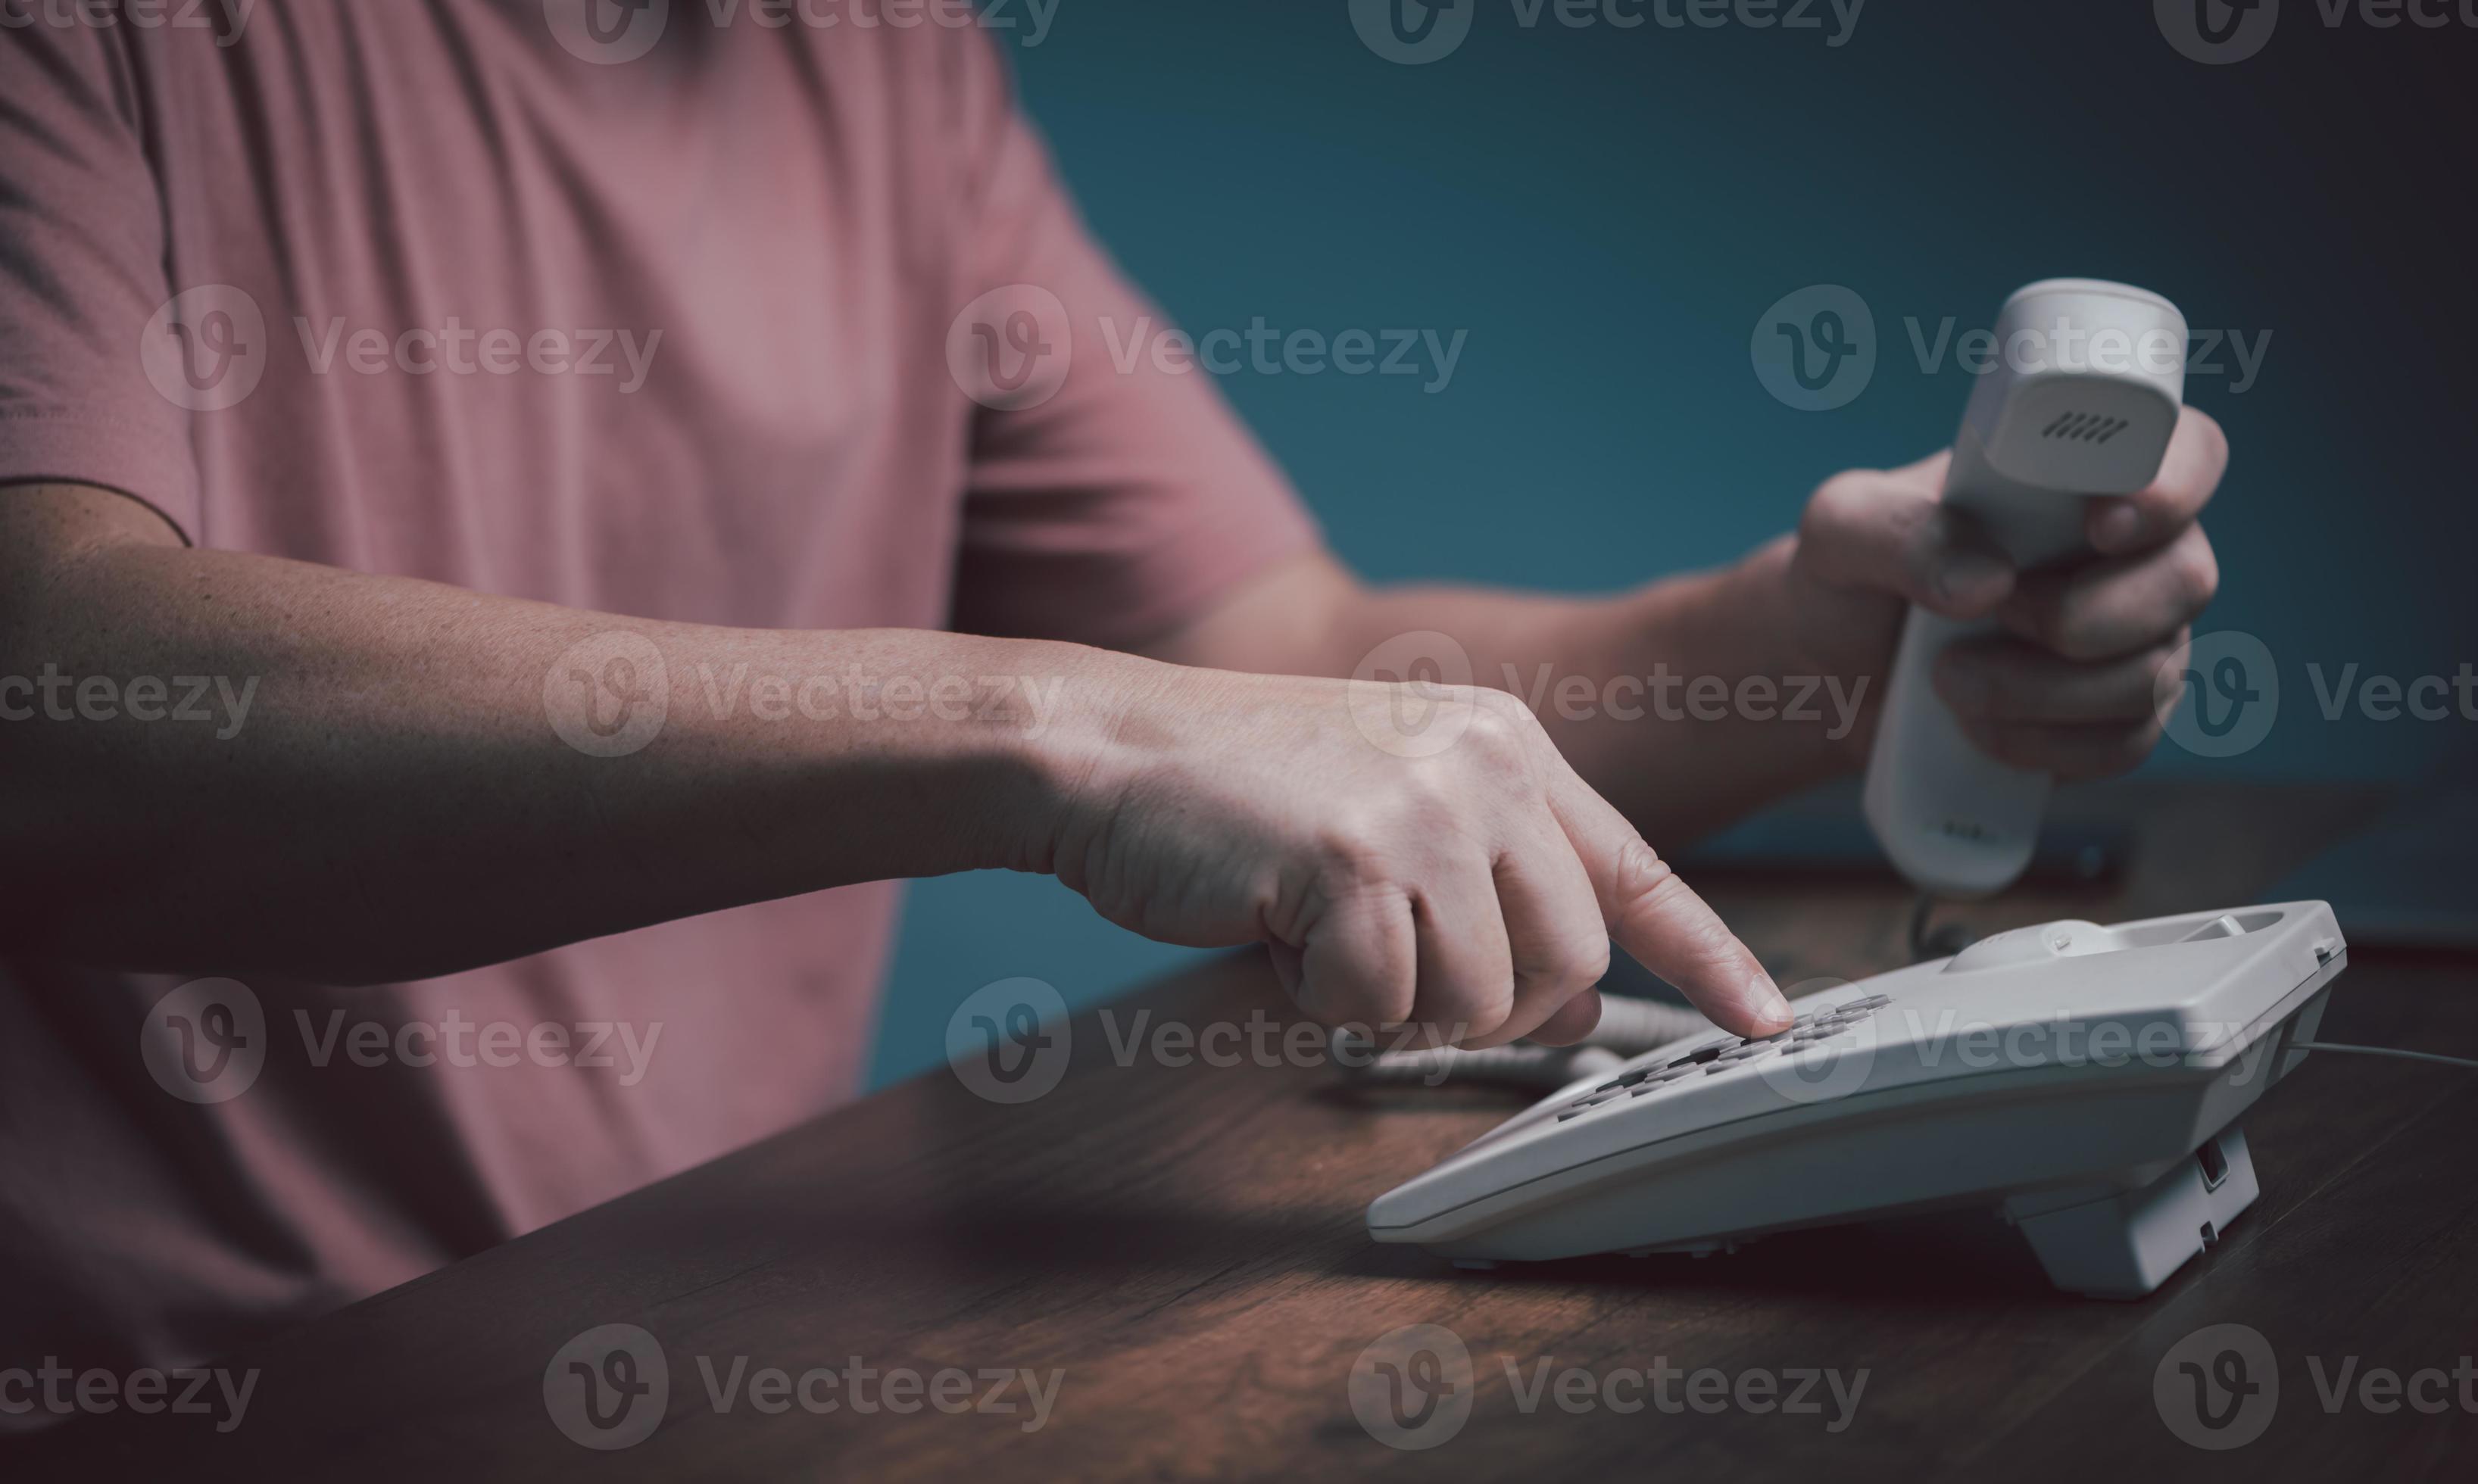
[(2084, 1082)]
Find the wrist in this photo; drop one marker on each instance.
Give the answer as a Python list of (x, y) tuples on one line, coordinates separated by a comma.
[(1052, 751)]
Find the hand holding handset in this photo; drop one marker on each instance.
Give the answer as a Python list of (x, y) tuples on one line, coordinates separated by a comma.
[(2089, 379)]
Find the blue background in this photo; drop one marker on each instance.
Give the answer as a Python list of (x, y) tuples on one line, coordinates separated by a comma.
[(1608, 212)]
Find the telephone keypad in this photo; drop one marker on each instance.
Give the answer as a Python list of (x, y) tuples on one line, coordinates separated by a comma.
[(1805, 1033)]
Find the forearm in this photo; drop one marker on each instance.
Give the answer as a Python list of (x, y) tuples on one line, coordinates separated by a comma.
[(380, 790)]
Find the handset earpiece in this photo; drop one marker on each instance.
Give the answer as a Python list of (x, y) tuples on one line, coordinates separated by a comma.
[(2084, 395)]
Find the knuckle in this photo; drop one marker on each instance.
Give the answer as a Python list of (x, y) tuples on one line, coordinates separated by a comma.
[(1641, 874), (1838, 504), (1567, 966), (1577, 966), (1507, 738), (2211, 438), (1503, 705), (1835, 497), (2198, 574), (2076, 631), (2048, 624), (1350, 858), (1454, 1013), (1502, 720)]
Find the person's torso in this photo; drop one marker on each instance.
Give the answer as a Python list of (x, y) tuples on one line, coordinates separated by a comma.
[(662, 337)]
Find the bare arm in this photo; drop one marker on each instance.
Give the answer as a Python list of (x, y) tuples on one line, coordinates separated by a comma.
[(425, 779), (381, 793), (1680, 702)]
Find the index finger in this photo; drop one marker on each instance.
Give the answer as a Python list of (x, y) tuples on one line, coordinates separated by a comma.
[(2197, 455), (1655, 916)]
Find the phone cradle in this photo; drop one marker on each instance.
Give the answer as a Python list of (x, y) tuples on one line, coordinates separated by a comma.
[(2109, 1243)]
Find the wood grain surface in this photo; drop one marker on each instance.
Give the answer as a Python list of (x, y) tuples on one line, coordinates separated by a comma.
[(1181, 1246)]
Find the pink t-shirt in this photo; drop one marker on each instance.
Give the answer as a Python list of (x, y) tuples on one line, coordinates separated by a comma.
[(427, 250)]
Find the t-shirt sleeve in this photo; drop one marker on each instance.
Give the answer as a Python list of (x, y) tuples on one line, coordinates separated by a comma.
[(81, 275), (1110, 500)]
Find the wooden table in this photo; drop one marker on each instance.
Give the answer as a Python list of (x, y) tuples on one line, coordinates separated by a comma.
[(1184, 1244)]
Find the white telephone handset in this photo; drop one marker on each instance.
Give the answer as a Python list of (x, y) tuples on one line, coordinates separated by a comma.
[(2084, 395)]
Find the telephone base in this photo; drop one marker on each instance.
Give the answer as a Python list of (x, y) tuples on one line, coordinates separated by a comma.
[(2119, 1244)]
